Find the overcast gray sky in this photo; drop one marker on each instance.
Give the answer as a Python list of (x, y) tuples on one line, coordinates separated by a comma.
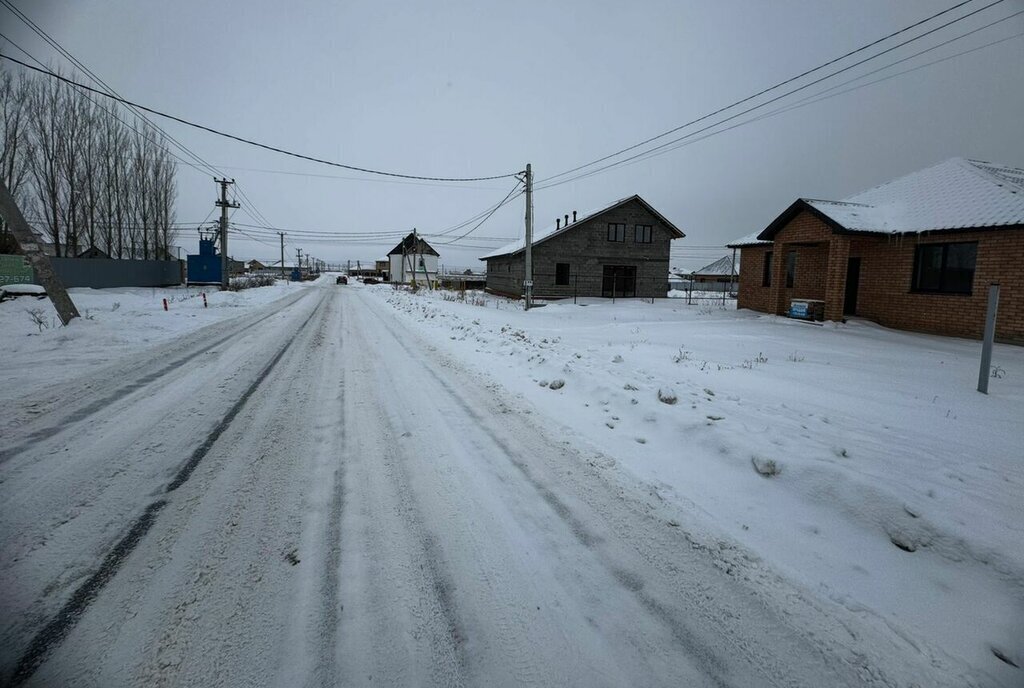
[(471, 88)]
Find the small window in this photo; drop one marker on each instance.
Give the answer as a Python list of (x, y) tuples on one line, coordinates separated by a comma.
[(561, 274), (643, 234), (508, 267), (616, 231), (766, 271), (944, 268), (790, 269)]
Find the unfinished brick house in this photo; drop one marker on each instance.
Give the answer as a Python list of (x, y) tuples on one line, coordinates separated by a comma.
[(916, 253), (619, 251)]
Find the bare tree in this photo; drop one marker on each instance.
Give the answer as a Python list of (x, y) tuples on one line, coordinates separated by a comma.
[(16, 154), (90, 178)]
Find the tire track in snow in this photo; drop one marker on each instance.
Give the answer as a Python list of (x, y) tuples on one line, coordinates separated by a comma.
[(708, 661), (54, 632), (123, 390)]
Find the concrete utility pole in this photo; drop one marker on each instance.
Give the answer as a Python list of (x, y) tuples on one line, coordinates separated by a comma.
[(223, 204), (298, 262), (988, 338), (281, 234), (528, 256), (26, 241)]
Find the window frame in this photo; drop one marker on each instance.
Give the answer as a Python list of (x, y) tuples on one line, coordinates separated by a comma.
[(649, 233), (790, 269), (562, 270), (944, 269), (617, 226)]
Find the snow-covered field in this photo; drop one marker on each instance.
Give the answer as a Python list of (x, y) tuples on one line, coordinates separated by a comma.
[(114, 323), (857, 460)]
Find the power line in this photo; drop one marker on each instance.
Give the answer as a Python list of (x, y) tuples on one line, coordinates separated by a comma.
[(250, 142), (508, 199), (689, 138), (109, 91), (776, 98)]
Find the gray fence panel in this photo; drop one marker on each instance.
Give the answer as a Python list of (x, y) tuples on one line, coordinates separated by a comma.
[(99, 273)]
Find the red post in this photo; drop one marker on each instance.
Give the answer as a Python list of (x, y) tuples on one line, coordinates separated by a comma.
[(165, 304), (204, 299)]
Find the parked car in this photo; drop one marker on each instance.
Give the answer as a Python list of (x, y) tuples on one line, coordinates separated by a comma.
[(370, 280), (342, 279)]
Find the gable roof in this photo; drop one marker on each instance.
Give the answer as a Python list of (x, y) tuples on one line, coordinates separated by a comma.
[(722, 266), (413, 244), (555, 230), (954, 194)]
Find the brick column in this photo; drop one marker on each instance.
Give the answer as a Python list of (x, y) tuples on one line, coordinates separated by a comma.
[(835, 280), (777, 292)]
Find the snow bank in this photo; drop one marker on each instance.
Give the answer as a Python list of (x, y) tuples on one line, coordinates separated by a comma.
[(857, 460), (115, 322)]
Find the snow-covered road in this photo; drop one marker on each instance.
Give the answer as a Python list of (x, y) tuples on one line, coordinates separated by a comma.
[(311, 494)]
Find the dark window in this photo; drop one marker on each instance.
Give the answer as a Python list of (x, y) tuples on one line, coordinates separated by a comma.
[(508, 267), (561, 273), (642, 234), (766, 272), (790, 268), (944, 268), (616, 231)]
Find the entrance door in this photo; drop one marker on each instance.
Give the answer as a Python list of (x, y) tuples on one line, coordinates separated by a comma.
[(852, 286), (618, 281)]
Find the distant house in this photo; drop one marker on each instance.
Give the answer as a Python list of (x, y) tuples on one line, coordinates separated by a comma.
[(717, 276), (383, 266), (413, 258), (916, 253), (255, 265), (621, 250), (93, 252)]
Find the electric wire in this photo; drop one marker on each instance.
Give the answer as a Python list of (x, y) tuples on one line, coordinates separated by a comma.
[(39, 31), (541, 185), (761, 105), (251, 142), (814, 98)]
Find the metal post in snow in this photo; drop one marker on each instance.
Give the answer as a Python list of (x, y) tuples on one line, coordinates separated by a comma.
[(990, 335), (528, 253)]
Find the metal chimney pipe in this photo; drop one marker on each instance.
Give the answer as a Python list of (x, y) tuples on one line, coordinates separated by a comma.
[(558, 223), (567, 219), (574, 216)]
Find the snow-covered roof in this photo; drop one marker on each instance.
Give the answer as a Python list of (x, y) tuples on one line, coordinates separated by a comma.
[(955, 194), (749, 240), (557, 228), (722, 266)]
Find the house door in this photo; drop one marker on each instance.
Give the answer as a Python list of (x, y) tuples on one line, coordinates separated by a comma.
[(618, 281), (852, 286)]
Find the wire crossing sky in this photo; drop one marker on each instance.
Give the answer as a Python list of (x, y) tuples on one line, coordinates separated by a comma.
[(463, 89)]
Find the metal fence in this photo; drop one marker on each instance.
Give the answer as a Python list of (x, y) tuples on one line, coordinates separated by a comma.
[(100, 273)]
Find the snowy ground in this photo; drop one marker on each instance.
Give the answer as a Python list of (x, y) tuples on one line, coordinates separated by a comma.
[(321, 485), (114, 323), (880, 441)]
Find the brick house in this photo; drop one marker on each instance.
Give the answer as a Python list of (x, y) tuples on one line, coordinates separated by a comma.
[(916, 253), (621, 250)]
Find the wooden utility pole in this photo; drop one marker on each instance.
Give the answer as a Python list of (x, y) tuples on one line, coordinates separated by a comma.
[(528, 255), (40, 262), (298, 262)]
